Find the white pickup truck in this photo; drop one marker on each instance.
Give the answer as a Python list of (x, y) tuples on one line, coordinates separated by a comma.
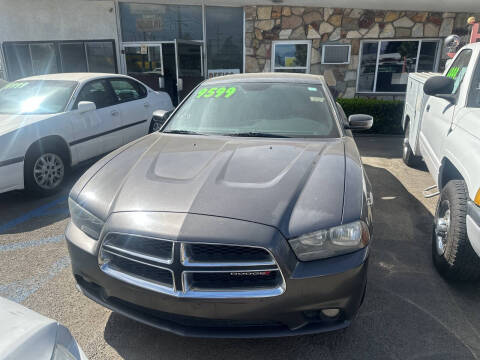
[(442, 125)]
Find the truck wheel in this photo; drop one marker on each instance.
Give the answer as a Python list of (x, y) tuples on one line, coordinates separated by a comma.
[(452, 252), (44, 170), (407, 154)]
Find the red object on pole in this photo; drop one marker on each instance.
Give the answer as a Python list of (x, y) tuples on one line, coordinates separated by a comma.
[(475, 37)]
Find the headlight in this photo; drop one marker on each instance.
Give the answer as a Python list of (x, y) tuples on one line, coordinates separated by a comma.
[(85, 221), (331, 242)]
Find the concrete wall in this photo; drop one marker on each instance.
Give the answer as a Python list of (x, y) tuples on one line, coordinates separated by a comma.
[(34, 20)]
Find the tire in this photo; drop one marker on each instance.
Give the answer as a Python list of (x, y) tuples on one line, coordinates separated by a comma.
[(45, 170), (407, 154), (452, 253)]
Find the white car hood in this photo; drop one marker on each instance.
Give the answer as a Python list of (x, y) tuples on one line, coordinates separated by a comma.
[(9, 122), (27, 335)]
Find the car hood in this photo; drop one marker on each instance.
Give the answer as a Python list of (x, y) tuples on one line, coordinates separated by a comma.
[(9, 122), (295, 186)]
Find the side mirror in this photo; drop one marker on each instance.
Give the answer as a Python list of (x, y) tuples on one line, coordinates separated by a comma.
[(161, 116), (441, 87), (86, 106), (360, 122)]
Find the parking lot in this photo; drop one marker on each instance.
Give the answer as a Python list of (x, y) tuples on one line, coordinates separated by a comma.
[(409, 312)]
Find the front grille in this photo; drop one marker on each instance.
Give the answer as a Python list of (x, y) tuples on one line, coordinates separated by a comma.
[(209, 253), (234, 280), (144, 271), (191, 269)]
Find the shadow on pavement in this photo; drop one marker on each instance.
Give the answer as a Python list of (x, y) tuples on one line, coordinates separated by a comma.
[(22, 212), (409, 311)]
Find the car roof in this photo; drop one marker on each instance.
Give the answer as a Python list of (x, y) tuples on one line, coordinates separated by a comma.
[(81, 77), (268, 77)]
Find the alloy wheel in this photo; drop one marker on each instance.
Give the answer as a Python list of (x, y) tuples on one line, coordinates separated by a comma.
[(442, 227), (49, 171)]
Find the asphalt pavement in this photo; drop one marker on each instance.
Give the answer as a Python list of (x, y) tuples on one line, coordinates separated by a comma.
[(410, 312)]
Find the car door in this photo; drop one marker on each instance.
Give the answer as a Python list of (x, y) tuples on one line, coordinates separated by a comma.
[(135, 109), (439, 114), (95, 132)]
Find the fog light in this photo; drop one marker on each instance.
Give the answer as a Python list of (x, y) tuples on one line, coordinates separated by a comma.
[(331, 313)]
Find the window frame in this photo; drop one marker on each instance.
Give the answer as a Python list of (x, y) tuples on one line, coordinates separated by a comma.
[(58, 57), (337, 63), (379, 41), (291, 42)]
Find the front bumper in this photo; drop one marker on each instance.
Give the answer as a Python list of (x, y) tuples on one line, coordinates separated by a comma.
[(473, 226), (309, 287), (11, 176)]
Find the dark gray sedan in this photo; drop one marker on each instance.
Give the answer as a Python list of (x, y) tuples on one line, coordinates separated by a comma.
[(247, 215)]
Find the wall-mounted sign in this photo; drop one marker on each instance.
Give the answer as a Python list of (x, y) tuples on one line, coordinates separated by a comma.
[(143, 49), (221, 72)]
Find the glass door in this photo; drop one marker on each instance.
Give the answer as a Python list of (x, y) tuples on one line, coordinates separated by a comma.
[(145, 63), (189, 61)]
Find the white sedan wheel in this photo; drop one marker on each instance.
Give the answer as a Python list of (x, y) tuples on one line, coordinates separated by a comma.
[(49, 171)]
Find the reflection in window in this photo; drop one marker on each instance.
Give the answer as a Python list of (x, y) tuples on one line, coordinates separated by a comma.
[(368, 62), (38, 58), (224, 37), (73, 57), (43, 58), (152, 22), (291, 56), (386, 69), (100, 57)]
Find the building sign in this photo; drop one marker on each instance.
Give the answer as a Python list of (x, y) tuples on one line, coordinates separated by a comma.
[(221, 72), (149, 23), (143, 49)]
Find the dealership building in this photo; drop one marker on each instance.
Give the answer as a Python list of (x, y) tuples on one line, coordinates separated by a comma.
[(362, 47)]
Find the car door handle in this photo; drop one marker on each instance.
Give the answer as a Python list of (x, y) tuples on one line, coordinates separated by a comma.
[(428, 108), (146, 104), (114, 112)]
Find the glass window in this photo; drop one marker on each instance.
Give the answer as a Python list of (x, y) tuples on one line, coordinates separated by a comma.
[(101, 57), (36, 96), (291, 56), (385, 64), (97, 92), (368, 63), (224, 38), (474, 95), (19, 62), (459, 67), (271, 109), (125, 90), (397, 59), (428, 56), (152, 22), (73, 57), (44, 60)]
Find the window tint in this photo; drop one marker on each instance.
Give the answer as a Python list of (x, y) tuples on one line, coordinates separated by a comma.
[(44, 60), (459, 68), (98, 92), (127, 90), (73, 57), (101, 57), (474, 95)]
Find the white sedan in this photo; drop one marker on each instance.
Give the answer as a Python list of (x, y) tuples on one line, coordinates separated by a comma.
[(50, 123)]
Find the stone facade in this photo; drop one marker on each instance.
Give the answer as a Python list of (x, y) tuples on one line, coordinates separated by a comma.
[(263, 24)]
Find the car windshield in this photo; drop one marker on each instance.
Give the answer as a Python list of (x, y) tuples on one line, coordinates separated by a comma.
[(35, 96), (256, 109)]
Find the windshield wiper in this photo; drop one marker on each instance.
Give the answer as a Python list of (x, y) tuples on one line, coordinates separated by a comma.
[(183, 132), (258, 134)]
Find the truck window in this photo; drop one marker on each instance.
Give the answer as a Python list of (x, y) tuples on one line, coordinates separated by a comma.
[(474, 95), (459, 68)]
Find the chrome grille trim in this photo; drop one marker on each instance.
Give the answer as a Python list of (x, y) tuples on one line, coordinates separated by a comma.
[(181, 267)]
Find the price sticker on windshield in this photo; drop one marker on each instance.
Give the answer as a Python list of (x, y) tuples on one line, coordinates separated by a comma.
[(215, 93)]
